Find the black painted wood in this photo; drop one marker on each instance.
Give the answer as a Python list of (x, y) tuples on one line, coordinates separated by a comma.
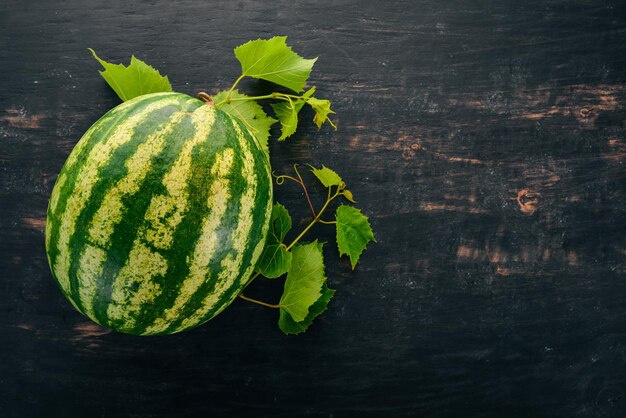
[(485, 140)]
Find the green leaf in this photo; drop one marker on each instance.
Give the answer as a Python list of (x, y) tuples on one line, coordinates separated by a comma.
[(287, 114), (327, 176), (135, 80), (272, 60), (322, 110), (281, 221), (348, 195), (289, 326), (353, 232), (249, 112), (275, 260), (305, 278)]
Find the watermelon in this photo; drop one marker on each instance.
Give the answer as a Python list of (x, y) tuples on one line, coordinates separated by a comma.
[(159, 215)]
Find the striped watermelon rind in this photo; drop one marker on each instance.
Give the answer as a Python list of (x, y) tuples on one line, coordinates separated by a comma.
[(159, 215)]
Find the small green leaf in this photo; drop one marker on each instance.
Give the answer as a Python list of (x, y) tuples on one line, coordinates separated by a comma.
[(304, 282), (322, 110), (289, 326), (348, 195), (249, 112), (327, 176), (275, 260), (281, 221), (272, 60), (353, 232), (287, 114), (135, 80)]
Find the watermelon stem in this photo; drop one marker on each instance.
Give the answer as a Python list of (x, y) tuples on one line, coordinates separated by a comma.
[(206, 98)]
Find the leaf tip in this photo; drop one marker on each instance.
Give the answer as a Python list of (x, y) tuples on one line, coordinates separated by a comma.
[(97, 57)]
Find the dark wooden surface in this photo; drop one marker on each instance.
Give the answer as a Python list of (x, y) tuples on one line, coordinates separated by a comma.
[(485, 140)]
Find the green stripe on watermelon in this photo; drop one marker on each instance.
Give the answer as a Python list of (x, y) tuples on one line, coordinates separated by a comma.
[(153, 318), (260, 224), (227, 224), (111, 175), (202, 307), (87, 176), (94, 136), (157, 318), (125, 237), (66, 180)]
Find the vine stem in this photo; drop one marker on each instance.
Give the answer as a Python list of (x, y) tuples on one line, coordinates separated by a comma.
[(242, 296), (313, 222), (281, 179), (246, 99), (258, 302), (306, 192), (233, 87), (281, 96)]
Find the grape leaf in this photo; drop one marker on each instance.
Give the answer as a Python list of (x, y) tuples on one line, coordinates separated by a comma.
[(287, 114), (249, 112), (135, 80), (275, 259), (289, 326), (304, 282), (322, 110), (353, 232), (281, 221), (272, 60), (327, 176)]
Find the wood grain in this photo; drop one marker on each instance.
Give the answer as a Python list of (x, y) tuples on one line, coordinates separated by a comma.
[(485, 141)]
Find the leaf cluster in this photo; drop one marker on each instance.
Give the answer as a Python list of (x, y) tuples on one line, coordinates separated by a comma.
[(306, 294), (273, 60)]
